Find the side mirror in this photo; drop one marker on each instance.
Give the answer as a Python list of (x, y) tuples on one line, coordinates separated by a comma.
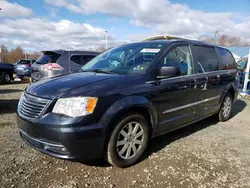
[(169, 71)]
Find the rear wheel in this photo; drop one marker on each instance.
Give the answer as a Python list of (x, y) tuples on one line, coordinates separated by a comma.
[(128, 141), (6, 77), (226, 108)]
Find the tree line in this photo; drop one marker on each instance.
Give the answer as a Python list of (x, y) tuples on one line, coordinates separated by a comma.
[(13, 55), (224, 40)]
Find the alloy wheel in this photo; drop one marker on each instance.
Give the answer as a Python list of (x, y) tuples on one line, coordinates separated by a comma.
[(130, 140), (227, 105), (7, 78)]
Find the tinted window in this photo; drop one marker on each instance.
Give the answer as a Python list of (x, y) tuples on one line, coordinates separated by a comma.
[(205, 59), (48, 57), (180, 57), (76, 59), (87, 58), (226, 59), (24, 62)]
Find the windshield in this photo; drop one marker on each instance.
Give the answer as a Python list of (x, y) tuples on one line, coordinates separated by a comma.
[(131, 59)]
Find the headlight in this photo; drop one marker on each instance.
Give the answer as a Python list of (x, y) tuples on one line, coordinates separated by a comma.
[(75, 107)]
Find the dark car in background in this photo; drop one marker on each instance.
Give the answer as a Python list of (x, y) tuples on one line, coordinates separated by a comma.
[(59, 62), (23, 67), (6, 73), (126, 96)]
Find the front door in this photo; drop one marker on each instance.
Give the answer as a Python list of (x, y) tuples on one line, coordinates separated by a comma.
[(177, 95)]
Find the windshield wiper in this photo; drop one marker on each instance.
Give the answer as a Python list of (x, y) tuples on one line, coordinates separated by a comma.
[(98, 71)]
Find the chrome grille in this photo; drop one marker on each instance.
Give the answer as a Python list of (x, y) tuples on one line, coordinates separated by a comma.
[(31, 107)]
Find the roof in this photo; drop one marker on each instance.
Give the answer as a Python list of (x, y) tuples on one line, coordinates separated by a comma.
[(168, 41)]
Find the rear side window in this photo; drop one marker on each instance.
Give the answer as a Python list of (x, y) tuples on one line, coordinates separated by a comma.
[(87, 58), (76, 59), (226, 59), (48, 57), (205, 59), (23, 62)]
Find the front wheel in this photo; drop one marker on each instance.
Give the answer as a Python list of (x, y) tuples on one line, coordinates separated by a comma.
[(128, 141), (226, 108)]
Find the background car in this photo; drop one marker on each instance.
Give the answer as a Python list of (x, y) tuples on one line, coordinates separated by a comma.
[(23, 68), (59, 62), (6, 73), (242, 68)]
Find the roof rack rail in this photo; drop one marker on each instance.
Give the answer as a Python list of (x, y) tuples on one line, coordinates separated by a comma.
[(165, 37)]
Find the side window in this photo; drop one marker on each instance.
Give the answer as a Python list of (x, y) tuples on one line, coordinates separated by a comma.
[(180, 57), (205, 59), (87, 58), (226, 59), (76, 59)]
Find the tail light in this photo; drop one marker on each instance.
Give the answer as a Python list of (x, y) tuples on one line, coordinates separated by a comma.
[(27, 65), (51, 66)]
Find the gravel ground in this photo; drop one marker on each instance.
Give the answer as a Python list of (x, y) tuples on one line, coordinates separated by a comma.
[(205, 154)]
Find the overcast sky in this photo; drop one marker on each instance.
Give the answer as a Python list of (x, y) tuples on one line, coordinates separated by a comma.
[(80, 24)]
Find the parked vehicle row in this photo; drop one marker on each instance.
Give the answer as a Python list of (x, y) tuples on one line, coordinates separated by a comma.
[(59, 62), (23, 68), (126, 96)]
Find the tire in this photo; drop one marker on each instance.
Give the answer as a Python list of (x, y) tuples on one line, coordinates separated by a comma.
[(226, 108), (6, 78), (134, 145)]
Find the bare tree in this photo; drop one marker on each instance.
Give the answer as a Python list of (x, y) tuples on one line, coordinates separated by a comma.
[(4, 53), (101, 49), (224, 40)]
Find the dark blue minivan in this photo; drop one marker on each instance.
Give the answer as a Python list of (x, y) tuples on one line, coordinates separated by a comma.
[(126, 96)]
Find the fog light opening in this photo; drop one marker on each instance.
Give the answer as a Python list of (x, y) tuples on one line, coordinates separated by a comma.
[(56, 149)]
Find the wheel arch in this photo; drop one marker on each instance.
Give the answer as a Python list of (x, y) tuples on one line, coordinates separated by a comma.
[(133, 104), (230, 89)]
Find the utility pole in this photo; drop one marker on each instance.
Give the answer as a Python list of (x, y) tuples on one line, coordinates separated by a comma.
[(215, 37), (106, 39)]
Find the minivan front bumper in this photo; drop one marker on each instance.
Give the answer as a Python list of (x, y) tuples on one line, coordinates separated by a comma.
[(71, 142)]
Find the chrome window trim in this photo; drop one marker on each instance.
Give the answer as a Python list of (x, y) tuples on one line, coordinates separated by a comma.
[(204, 73), (190, 105)]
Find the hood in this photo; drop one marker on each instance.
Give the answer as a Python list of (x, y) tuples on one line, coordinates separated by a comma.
[(62, 85)]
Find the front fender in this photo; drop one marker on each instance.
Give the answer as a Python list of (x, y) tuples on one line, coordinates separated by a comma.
[(125, 104)]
